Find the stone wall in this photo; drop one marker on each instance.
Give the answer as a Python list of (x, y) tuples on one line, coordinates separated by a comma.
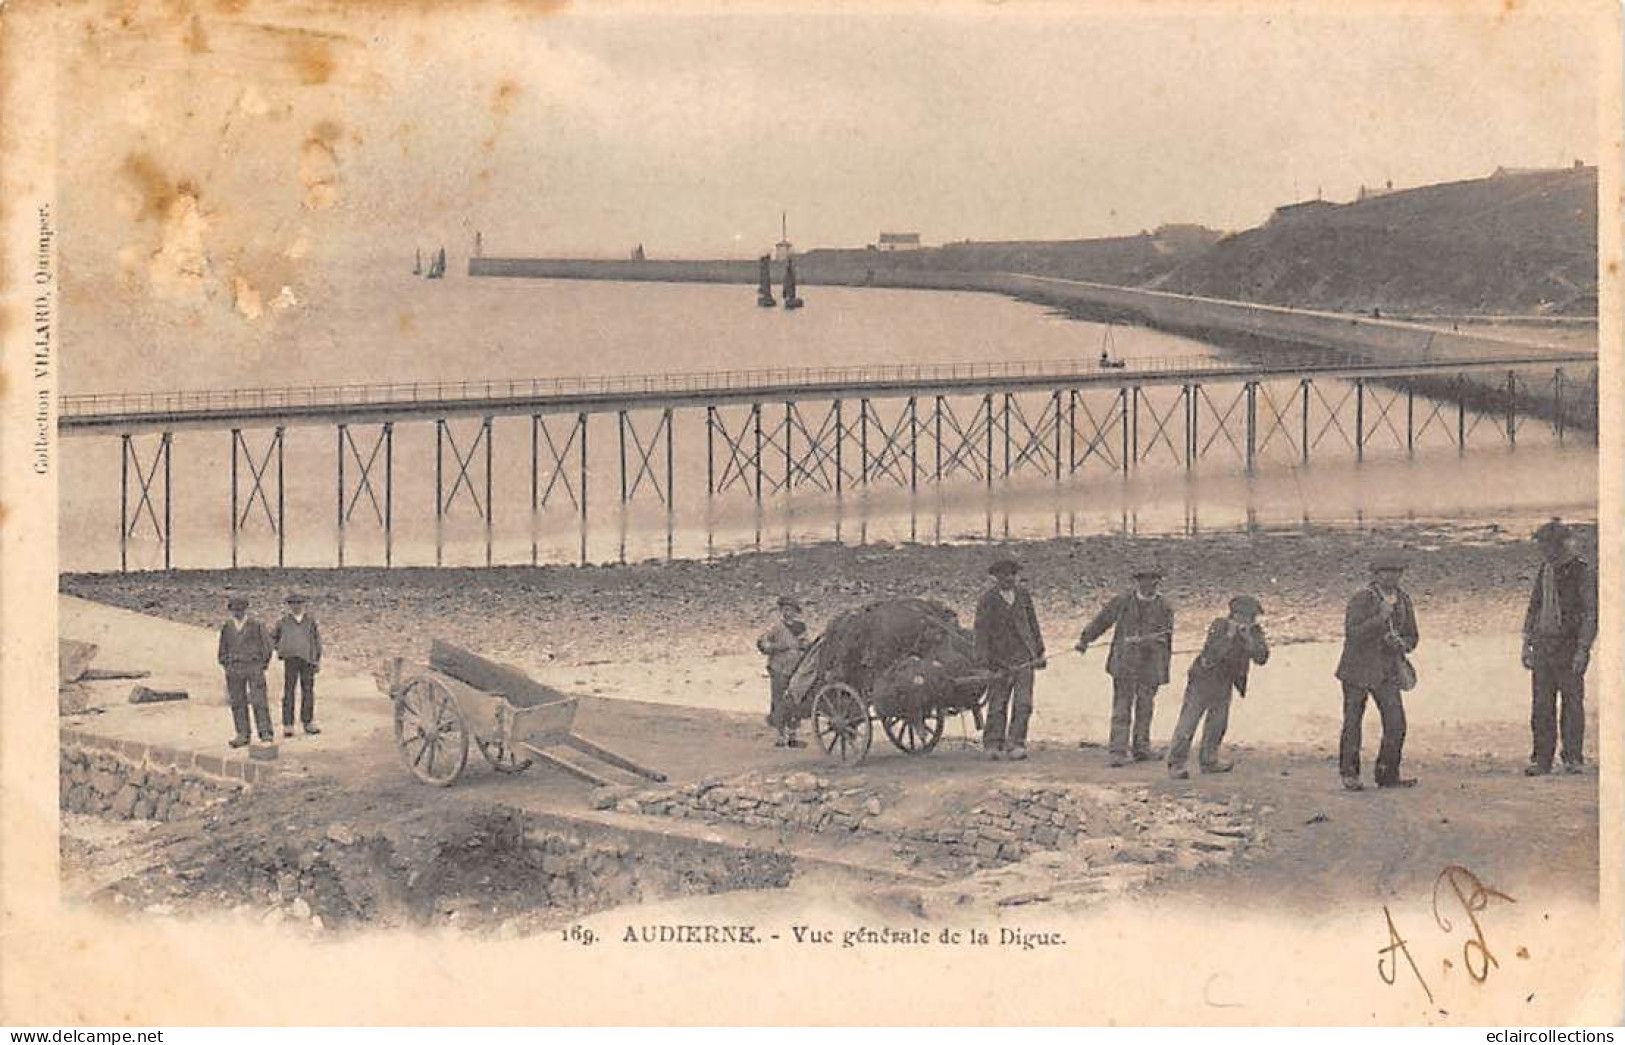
[(138, 782), (1011, 822)]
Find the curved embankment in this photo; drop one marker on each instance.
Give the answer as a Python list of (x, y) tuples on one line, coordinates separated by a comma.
[(1241, 326)]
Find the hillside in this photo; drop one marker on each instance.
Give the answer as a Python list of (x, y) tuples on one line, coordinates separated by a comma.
[(1511, 244), (1123, 260)]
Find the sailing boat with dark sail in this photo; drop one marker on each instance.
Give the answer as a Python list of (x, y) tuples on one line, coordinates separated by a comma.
[(417, 263), (437, 267), (791, 299), (764, 283)]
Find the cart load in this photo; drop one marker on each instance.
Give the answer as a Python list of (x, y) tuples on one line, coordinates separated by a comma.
[(906, 662)]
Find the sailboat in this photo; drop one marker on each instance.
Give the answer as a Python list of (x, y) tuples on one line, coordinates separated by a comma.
[(417, 263), (791, 300), (764, 283), (1107, 345), (437, 267)]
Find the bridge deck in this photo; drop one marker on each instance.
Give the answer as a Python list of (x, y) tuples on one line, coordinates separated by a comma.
[(358, 403)]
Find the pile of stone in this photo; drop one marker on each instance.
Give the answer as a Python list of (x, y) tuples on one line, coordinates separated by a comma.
[(104, 784), (799, 800), (1011, 823)]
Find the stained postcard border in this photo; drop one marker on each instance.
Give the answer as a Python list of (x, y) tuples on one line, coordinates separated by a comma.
[(64, 966)]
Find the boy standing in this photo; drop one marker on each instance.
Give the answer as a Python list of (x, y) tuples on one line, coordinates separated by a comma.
[(245, 650), (1234, 643), (784, 643), (299, 645)]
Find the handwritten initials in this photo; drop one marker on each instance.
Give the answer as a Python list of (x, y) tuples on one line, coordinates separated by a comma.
[(1474, 896)]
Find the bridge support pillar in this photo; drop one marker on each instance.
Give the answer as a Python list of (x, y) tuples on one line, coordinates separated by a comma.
[(1461, 415), (1557, 402), (349, 450), (1304, 390), (445, 437), (987, 417), (1252, 424), (1122, 422), (1359, 419), (146, 479), (840, 442), (258, 471), (913, 446), (1134, 427), (1410, 419), (1512, 408)]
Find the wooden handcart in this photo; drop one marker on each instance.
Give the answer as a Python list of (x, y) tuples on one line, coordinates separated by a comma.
[(458, 698)]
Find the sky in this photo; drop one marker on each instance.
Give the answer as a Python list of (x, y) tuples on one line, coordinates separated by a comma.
[(295, 134)]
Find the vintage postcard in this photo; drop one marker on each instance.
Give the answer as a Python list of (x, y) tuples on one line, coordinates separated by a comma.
[(732, 513)]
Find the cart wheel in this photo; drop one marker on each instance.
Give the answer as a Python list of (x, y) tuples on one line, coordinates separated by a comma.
[(501, 758), (914, 738), (841, 722), (430, 732)]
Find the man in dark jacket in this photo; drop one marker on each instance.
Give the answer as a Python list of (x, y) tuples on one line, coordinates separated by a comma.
[(1233, 644), (1379, 629), (1142, 626), (1008, 640), (298, 643), (245, 650), (1557, 634)]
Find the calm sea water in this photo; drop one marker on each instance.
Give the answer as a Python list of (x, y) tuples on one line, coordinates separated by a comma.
[(388, 327)]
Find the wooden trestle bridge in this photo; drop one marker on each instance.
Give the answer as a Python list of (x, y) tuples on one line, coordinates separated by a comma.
[(835, 429)]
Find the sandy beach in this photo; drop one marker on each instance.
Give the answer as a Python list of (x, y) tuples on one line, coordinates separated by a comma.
[(1467, 580)]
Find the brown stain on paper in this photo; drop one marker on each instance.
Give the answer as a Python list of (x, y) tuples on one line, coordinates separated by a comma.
[(313, 58), (158, 193)]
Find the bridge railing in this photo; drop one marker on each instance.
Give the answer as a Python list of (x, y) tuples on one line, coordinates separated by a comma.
[(697, 382)]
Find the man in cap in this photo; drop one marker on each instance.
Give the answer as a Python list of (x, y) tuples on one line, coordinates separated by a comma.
[(1558, 631), (1234, 643), (783, 644), (245, 650), (1379, 629), (1142, 626), (299, 645), (1008, 640)]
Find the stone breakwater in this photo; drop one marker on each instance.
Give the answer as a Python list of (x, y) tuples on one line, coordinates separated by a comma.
[(102, 783), (1012, 822)]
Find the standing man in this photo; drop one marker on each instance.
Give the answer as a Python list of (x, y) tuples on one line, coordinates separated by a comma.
[(1379, 628), (783, 644), (245, 650), (1008, 640), (1557, 634), (1142, 626), (1233, 644), (299, 645)]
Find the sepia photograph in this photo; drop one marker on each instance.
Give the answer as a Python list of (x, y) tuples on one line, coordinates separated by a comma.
[(784, 513)]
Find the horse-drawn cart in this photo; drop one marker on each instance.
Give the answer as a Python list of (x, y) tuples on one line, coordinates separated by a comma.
[(514, 721), (905, 663)]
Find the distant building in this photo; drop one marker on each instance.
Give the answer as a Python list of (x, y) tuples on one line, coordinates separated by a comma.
[(1368, 192), (782, 250), (899, 241), (1509, 172), (1298, 210)]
